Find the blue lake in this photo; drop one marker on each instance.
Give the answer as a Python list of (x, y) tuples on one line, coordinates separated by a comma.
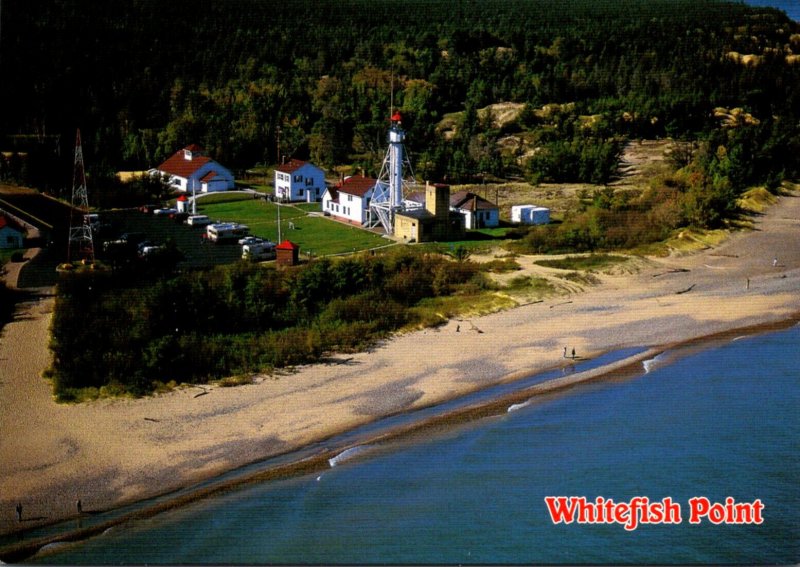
[(720, 422)]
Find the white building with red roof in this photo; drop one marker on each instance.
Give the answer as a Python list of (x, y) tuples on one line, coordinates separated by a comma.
[(298, 180), (349, 200), (191, 170)]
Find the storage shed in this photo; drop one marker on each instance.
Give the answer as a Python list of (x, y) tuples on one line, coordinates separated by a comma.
[(11, 234), (530, 214), (288, 253)]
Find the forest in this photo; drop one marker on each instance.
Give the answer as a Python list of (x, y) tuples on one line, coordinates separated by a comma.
[(256, 81), (238, 319)]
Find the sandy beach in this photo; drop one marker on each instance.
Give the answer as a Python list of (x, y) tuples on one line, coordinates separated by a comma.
[(112, 452)]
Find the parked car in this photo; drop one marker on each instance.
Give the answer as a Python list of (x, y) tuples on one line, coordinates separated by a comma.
[(127, 239), (165, 211), (198, 220), (250, 240), (146, 248)]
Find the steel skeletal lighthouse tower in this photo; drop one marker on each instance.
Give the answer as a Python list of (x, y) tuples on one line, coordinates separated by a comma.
[(388, 196)]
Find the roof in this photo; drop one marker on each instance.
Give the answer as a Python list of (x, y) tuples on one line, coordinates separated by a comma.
[(357, 185), (7, 222), (416, 197), (292, 165), (178, 165), (334, 193), (419, 214), (467, 201), (287, 245)]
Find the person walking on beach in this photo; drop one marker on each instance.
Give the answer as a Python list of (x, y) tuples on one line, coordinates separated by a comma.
[(775, 262), (19, 511), (573, 353), (565, 352), (79, 506)]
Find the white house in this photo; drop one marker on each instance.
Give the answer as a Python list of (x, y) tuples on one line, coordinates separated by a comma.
[(190, 170), (11, 234), (530, 214), (349, 200), (299, 180), (477, 211)]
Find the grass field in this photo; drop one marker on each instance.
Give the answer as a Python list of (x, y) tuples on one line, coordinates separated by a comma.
[(6, 253), (317, 235)]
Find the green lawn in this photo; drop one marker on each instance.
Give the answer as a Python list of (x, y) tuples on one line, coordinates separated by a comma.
[(6, 253), (318, 235)]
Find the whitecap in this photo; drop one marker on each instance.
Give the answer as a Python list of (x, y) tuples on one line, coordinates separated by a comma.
[(651, 363), (347, 454), (515, 407)]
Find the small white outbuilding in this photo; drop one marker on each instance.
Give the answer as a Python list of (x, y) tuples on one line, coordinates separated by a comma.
[(530, 214)]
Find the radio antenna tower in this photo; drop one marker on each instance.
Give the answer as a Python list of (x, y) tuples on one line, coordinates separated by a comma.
[(388, 196), (80, 243)]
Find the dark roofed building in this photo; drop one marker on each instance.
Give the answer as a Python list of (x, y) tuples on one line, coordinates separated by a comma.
[(477, 211)]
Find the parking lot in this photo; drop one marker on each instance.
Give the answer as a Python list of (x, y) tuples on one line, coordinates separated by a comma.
[(160, 229)]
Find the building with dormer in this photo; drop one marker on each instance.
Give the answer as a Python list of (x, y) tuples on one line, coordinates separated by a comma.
[(298, 180), (191, 170)]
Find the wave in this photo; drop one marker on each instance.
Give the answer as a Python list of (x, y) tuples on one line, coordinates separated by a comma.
[(515, 407), (347, 454), (652, 363), (52, 546)]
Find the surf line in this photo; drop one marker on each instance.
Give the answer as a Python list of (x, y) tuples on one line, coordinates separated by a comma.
[(320, 461)]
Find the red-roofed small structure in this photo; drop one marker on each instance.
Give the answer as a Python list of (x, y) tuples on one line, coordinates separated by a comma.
[(288, 253), (190, 170), (11, 233)]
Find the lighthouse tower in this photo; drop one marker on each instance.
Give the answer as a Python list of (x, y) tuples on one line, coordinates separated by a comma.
[(388, 196)]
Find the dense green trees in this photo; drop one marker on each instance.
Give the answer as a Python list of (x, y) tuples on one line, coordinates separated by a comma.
[(234, 319), (253, 81)]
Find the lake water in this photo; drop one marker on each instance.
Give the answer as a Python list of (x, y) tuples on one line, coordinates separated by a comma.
[(716, 423), (791, 7)]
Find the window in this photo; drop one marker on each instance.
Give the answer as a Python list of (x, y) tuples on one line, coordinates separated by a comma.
[(349, 198)]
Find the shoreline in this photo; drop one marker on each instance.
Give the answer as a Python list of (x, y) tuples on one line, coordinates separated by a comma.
[(118, 453), (628, 368)]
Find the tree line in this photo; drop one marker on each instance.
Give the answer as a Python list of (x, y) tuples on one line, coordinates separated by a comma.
[(236, 319), (254, 82)]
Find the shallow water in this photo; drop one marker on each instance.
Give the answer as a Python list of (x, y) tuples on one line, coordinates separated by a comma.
[(721, 422)]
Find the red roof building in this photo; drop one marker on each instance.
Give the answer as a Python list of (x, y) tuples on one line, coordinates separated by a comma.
[(11, 233), (349, 200), (288, 253), (190, 170)]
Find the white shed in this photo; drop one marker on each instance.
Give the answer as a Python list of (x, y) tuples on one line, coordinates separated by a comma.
[(530, 214)]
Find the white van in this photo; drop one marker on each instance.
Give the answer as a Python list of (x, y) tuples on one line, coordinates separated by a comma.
[(198, 220)]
